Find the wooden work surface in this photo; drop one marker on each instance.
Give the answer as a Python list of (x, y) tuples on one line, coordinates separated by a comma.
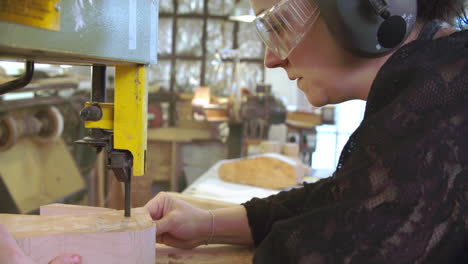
[(211, 254), (175, 134)]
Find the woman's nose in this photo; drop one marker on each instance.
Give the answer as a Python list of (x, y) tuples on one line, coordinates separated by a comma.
[(271, 60)]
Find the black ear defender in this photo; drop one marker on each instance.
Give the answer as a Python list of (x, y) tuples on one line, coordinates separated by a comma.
[(369, 28)]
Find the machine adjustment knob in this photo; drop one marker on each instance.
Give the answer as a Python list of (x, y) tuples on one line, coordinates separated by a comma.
[(91, 113)]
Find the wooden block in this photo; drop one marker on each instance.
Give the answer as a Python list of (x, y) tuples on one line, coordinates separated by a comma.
[(103, 237), (272, 171), (179, 134), (67, 209), (270, 147), (291, 150), (303, 119), (216, 114)]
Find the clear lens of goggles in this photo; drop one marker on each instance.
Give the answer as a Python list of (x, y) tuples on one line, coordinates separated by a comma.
[(284, 25)]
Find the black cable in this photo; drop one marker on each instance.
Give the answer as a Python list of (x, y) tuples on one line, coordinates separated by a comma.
[(20, 82)]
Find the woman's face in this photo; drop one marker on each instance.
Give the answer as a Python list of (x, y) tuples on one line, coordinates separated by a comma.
[(323, 70)]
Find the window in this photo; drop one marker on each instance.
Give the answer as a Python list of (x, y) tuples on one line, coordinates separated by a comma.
[(332, 138), (200, 46)]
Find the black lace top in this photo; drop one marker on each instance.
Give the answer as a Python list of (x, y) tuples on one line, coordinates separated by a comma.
[(399, 194)]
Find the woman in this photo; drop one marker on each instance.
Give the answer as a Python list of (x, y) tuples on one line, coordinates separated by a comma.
[(399, 194)]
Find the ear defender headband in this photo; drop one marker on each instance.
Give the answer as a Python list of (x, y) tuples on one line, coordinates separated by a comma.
[(369, 28)]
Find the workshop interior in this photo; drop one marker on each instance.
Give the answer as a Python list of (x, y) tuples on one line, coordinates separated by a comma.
[(107, 103)]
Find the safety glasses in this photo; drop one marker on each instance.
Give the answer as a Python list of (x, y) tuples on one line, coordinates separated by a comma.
[(284, 25)]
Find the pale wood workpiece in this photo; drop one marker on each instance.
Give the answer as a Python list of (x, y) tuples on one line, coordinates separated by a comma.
[(211, 254), (99, 237), (69, 209)]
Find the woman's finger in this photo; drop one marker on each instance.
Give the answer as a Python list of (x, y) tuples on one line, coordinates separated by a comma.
[(66, 259), (7, 242), (156, 206), (163, 225)]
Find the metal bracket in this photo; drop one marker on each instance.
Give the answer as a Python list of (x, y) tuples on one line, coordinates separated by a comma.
[(121, 162)]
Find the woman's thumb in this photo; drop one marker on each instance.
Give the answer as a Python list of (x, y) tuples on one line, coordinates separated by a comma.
[(163, 225), (66, 259)]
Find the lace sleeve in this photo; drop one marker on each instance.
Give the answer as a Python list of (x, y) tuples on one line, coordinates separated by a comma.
[(397, 215), (262, 213)]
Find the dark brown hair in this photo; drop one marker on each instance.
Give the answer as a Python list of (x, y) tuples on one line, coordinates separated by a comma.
[(450, 11)]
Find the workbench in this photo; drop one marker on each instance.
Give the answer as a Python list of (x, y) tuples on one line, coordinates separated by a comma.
[(211, 254), (164, 151), (210, 186)]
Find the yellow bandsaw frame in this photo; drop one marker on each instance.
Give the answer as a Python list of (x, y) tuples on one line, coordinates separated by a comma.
[(36, 13), (127, 116)]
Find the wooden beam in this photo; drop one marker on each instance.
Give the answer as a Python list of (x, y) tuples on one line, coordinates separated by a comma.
[(70, 209), (99, 237), (178, 134)]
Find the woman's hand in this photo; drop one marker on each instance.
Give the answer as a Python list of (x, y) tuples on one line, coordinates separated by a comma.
[(179, 224), (10, 253)]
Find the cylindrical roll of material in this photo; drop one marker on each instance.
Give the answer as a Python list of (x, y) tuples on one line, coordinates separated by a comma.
[(45, 125), (291, 150), (270, 147), (8, 132), (52, 124)]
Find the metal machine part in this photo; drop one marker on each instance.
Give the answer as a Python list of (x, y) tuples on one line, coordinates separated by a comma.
[(261, 110), (20, 82), (102, 33), (119, 128), (90, 32)]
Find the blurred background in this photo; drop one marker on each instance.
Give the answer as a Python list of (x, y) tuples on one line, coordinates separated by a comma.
[(210, 99)]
